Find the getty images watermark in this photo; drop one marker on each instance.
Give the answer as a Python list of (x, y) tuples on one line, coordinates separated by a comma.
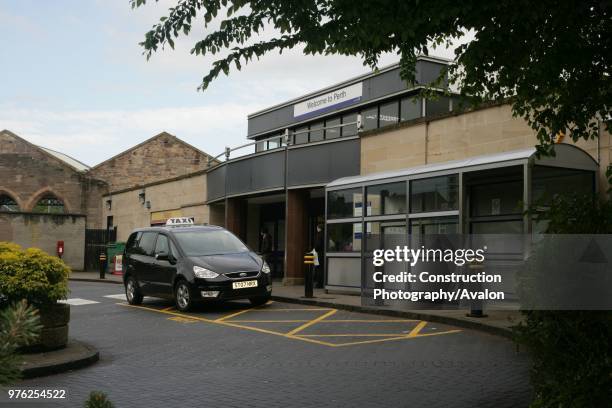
[(496, 271), (404, 255)]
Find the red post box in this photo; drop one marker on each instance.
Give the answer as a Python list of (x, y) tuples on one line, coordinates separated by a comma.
[(59, 249)]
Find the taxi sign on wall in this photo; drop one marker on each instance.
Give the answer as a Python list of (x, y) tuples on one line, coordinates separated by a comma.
[(180, 221)]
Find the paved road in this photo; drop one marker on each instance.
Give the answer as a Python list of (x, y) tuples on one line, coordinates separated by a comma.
[(281, 355)]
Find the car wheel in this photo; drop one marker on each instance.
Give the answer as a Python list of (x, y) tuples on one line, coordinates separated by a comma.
[(259, 300), (182, 296), (132, 291)]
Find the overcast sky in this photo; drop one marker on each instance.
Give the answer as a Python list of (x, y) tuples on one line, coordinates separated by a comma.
[(74, 79)]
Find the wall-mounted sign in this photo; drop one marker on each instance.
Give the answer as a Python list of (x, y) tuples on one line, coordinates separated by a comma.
[(326, 102)]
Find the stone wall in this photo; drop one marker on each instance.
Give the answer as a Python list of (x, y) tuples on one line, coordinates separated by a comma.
[(183, 196), (159, 158), (483, 131), (28, 173), (44, 230)]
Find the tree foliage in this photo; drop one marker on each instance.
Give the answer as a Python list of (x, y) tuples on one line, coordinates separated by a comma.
[(571, 350), (553, 58)]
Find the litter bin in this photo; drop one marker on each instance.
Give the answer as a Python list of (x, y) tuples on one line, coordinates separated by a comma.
[(114, 254)]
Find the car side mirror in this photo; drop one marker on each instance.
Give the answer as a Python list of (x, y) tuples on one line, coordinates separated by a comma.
[(162, 256)]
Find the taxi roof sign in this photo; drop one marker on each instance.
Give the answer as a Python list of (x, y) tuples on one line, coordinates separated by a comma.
[(180, 221)]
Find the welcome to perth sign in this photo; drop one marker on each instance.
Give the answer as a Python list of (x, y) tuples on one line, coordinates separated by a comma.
[(326, 102)]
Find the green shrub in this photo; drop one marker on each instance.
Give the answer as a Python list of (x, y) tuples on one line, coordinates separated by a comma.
[(571, 351), (32, 274), (98, 399), (19, 326)]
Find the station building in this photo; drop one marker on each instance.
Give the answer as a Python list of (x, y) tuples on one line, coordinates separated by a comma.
[(372, 160)]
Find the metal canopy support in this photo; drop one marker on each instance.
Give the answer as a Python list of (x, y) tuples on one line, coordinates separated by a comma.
[(527, 179), (461, 204)]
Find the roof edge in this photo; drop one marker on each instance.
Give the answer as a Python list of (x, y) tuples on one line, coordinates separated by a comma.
[(347, 82), (44, 152)]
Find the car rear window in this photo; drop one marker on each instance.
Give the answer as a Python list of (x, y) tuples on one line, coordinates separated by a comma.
[(213, 242)]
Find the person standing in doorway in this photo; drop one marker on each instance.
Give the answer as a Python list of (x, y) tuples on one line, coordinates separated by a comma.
[(265, 245), (319, 247)]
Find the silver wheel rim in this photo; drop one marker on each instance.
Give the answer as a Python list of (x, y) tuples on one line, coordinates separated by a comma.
[(130, 290), (182, 296)]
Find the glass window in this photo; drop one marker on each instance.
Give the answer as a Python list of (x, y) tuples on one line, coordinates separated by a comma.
[(389, 113), (260, 146), (344, 237), (49, 204), (550, 181), (301, 136), (316, 132), (275, 143), (161, 246), (369, 118), (434, 194), (8, 204), (349, 130), (433, 226), (437, 106), (410, 108), (173, 250), (146, 243), (132, 243), (385, 235), (332, 133), (498, 227), (501, 198), (209, 242), (345, 203), (386, 199)]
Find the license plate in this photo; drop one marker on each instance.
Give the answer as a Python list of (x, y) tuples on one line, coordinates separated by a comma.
[(244, 284)]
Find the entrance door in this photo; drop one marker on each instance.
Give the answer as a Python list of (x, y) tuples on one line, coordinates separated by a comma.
[(272, 221)]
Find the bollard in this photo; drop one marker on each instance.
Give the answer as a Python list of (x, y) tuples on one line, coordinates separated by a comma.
[(308, 284), (102, 265), (476, 305)]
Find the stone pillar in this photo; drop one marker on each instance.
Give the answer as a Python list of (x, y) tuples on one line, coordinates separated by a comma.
[(296, 236), (217, 214), (235, 216)]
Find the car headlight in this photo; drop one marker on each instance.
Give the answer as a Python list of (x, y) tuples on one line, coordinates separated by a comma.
[(265, 268), (204, 273)]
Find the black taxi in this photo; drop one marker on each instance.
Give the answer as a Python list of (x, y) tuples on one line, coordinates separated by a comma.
[(192, 263)]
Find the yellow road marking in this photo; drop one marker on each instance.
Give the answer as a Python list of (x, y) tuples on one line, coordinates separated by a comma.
[(353, 335), (373, 341), (368, 321), (267, 321), (310, 323), (224, 323), (414, 332), (437, 333), (311, 309), (182, 319), (168, 308), (242, 312), (233, 315)]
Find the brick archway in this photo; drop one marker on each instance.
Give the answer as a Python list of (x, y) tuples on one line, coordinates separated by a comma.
[(40, 194), (14, 196)]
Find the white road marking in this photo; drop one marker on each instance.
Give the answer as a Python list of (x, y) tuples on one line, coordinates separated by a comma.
[(78, 302), (120, 296)]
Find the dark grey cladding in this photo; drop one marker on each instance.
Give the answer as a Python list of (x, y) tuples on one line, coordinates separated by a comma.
[(307, 165), (375, 86)]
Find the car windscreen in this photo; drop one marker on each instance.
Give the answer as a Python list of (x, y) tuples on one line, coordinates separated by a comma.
[(214, 242)]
